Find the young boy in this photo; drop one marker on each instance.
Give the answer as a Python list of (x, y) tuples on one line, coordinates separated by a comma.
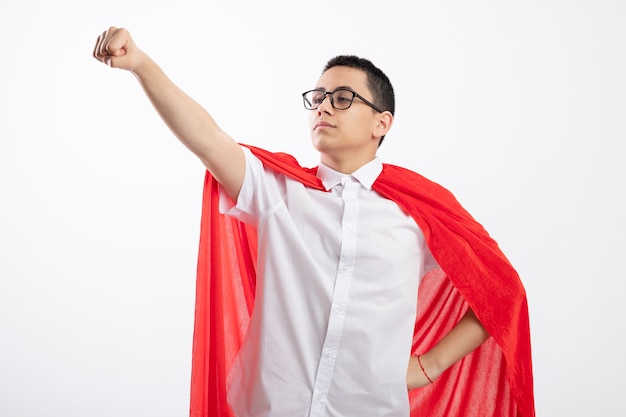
[(324, 294)]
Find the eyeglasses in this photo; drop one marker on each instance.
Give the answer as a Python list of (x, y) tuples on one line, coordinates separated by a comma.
[(340, 99)]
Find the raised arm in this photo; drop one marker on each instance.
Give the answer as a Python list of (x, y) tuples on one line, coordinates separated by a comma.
[(189, 122), (466, 336)]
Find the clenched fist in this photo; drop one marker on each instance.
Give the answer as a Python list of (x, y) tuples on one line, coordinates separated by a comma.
[(116, 48)]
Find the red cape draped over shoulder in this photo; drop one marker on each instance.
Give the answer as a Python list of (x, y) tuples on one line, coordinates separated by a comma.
[(494, 380)]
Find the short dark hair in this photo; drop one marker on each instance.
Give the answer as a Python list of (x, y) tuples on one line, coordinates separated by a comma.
[(377, 82)]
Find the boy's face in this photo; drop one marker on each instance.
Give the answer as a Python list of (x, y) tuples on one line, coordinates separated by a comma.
[(345, 135)]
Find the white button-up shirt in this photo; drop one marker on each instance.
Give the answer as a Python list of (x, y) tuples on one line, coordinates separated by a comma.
[(336, 298)]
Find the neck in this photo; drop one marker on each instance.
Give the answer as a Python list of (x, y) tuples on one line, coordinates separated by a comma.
[(345, 165)]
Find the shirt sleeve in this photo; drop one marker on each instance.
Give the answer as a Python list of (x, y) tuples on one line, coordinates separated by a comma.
[(260, 191)]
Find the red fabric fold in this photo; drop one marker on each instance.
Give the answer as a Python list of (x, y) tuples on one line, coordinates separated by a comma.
[(494, 380), (225, 287)]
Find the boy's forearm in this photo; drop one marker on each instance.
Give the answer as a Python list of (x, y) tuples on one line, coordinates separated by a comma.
[(189, 122), (466, 336)]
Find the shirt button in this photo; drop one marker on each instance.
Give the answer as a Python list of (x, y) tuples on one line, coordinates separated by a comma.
[(320, 398)]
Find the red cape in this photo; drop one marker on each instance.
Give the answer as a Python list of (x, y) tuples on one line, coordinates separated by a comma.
[(494, 380)]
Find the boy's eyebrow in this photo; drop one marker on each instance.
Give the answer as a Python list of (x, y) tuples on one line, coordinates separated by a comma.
[(336, 88)]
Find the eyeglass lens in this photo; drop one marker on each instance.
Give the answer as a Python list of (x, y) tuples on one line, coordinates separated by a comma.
[(339, 99)]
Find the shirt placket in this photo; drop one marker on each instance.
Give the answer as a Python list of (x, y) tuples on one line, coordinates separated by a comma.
[(340, 297)]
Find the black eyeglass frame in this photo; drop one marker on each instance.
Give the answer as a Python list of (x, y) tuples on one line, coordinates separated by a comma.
[(332, 101)]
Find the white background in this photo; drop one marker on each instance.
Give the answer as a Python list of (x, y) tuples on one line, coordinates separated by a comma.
[(517, 107)]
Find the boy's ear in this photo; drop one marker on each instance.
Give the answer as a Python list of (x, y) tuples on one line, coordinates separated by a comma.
[(385, 120)]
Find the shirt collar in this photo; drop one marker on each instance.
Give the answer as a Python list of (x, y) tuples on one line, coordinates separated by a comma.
[(366, 175)]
